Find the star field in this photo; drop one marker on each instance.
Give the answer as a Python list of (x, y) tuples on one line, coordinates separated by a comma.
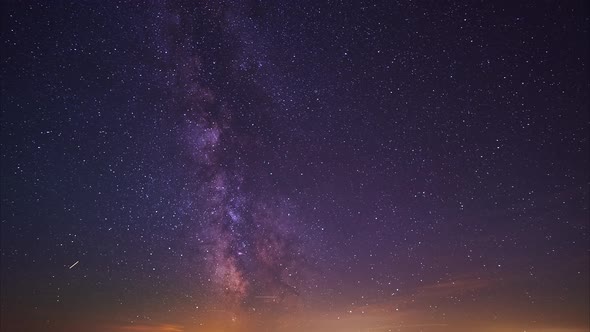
[(290, 166)]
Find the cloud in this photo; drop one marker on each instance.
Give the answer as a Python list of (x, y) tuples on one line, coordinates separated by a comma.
[(150, 328)]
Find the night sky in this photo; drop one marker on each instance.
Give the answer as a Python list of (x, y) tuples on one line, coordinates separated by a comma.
[(295, 166)]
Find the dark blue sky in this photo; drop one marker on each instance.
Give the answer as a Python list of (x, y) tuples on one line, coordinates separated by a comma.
[(255, 166)]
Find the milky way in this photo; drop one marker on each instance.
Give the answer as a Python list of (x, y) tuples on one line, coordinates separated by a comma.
[(253, 250)]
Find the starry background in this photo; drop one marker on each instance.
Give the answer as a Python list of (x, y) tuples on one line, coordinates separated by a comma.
[(295, 166)]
